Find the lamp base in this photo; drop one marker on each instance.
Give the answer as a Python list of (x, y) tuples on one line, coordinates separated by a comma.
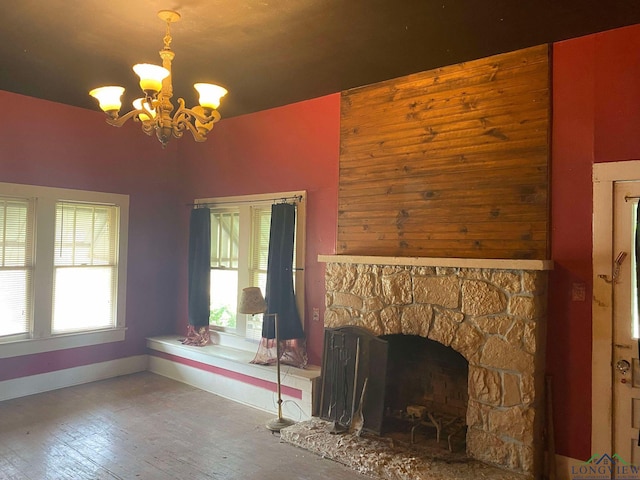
[(279, 423)]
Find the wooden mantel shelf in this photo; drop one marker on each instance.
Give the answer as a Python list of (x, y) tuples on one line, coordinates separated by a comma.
[(503, 264)]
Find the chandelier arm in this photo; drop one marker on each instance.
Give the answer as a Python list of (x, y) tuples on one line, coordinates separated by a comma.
[(119, 121), (180, 120), (188, 126), (189, 119), (213, 117), (148, 127)]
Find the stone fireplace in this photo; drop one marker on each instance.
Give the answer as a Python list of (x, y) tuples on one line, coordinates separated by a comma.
[(492, 312)]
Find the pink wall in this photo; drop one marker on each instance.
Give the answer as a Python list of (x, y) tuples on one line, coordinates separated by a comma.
[(289, 148), (295, 147), (596, 118), (44, 143)]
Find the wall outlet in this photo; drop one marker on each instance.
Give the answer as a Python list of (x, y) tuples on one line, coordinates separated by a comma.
[(578, 292), (316, 314)]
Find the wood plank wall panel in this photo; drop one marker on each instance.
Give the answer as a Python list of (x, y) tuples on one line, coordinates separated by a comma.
[(453, 162)]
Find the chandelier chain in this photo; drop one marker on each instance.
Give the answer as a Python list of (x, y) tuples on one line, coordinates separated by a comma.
[(167, 38)]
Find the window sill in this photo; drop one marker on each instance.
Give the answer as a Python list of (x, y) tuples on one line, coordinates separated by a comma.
[(230, 340), (31, 346)]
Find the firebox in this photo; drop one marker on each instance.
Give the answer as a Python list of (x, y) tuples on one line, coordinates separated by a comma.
[(396, 384)]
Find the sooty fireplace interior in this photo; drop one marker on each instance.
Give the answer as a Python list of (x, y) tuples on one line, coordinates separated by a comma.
[(394, 384)]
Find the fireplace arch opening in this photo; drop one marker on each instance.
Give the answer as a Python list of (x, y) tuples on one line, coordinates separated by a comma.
[(426, 393), (407, 387)]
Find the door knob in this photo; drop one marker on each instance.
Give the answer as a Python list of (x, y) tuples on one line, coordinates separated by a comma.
[(623, 366)]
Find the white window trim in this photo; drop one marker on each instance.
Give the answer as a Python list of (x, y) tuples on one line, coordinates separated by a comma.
[(41, 339), (236, 340)]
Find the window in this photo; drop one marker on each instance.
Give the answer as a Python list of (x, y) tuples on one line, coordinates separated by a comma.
[(84, 266), (62, 268), (224, 267), (16, 265), (239, 253)]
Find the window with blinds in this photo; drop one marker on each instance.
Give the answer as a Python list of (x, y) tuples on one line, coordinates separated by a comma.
[(260, 228), (16, 265), (63, 268), (225, 233), (85, 266), (239, 255)]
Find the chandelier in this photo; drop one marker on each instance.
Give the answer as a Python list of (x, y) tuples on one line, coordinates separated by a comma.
[(154, 110)]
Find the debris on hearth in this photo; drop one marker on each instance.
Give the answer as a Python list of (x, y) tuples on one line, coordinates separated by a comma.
[(390, 459)]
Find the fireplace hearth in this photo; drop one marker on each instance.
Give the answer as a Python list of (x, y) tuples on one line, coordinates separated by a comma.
[(386, 458), (490, 312)]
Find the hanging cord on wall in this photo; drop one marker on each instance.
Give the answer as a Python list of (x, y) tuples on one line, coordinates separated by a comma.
[(288, 402), (61, 227)]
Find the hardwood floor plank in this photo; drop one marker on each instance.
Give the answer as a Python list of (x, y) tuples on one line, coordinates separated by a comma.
[(145, 426)]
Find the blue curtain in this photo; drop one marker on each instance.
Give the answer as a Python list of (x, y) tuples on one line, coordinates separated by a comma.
[(199, 267), (279, 291), (280, 296)]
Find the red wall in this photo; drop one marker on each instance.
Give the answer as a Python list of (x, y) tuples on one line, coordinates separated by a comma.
[(596, 118), (45, 143), (295, 147)]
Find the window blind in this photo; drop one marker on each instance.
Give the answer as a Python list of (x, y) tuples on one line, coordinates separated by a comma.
[(85, 266), (260, 226), (16, 265)]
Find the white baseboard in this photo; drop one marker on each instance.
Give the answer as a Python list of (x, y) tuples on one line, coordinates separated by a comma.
[(44, 382), (563, 466)]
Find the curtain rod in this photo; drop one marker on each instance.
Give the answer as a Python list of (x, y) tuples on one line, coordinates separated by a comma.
[(296, 199)]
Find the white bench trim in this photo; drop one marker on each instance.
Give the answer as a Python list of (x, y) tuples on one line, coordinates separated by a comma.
[(227, 372)]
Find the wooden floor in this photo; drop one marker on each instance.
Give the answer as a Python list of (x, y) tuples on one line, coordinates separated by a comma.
[(145, 426)]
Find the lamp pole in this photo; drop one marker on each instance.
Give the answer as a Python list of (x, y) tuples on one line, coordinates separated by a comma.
[(279, 423)]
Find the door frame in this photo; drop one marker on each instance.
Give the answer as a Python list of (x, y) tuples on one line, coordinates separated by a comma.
[(605, 175)]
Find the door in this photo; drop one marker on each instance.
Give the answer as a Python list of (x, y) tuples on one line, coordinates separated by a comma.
[(625, 364)]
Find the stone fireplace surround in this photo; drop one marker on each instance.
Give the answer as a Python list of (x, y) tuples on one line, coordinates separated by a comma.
[(490, 311)]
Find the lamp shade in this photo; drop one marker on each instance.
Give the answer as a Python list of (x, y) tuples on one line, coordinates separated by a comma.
[(252, 301), (108, 98), (210, 94), (151, 76), (138, 105)]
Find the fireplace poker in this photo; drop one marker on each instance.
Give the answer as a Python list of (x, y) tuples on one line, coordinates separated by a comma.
[(332, 398), (355, 379), (337, 428)]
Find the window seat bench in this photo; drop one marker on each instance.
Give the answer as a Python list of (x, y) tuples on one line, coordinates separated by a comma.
[(226, 371)]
